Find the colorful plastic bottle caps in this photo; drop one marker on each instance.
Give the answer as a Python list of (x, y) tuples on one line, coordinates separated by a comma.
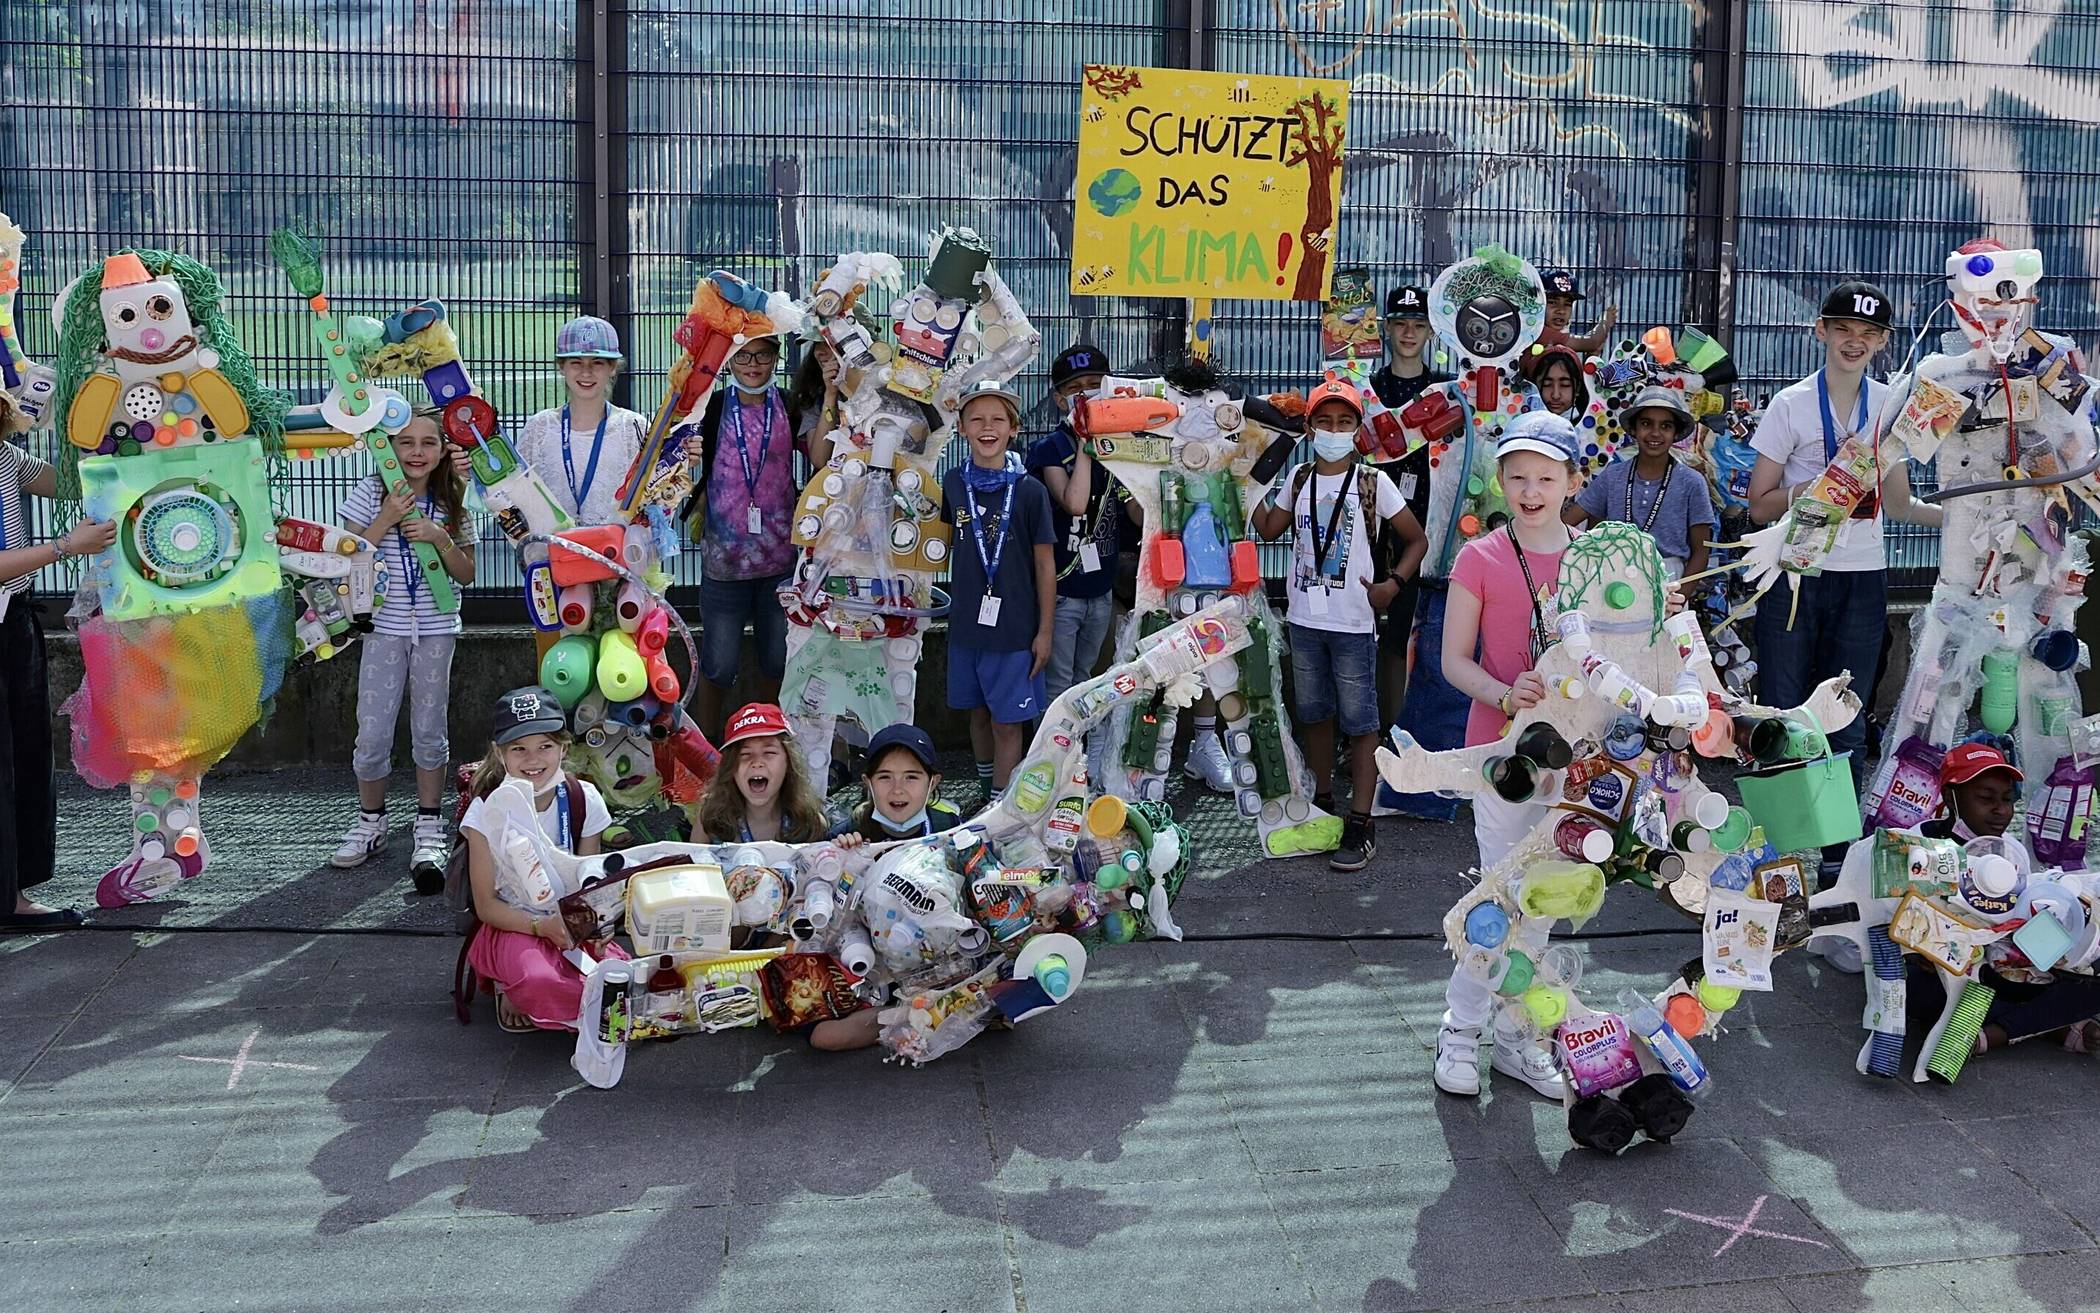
[(1518, 977), (1105, 816), (1487, 925), (1054, 974)]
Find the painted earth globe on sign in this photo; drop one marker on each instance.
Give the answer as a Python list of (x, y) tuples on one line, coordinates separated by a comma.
[(1114, 192)]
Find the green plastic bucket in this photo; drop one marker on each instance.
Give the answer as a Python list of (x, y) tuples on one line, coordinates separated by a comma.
[(1805, 804)]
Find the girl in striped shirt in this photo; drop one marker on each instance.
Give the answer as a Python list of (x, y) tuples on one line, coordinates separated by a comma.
[(410, 647)]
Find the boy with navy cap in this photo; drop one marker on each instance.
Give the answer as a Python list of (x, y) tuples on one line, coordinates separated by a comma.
[(1831, 622), (1087, 511), (1405, 375), (1561, 296)]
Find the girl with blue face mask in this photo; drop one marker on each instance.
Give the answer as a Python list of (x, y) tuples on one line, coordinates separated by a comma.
[(1338, 584)]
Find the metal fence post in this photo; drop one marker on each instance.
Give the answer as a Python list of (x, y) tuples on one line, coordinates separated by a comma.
[(607, 281)]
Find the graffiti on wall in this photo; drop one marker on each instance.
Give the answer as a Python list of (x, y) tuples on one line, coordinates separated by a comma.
[(1563, 131)]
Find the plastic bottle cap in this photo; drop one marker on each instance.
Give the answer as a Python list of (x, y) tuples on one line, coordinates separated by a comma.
[(1547, 1007), (1487, 925), (1618, 595), (1718, 998), (1684, 1014)]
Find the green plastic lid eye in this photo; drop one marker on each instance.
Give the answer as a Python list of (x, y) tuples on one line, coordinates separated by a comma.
[(1618, 595), (1474, 487), (2030, 262)]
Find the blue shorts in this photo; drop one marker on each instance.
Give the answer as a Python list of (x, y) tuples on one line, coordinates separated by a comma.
[(1335, 675), (726, 607), (997, 681)]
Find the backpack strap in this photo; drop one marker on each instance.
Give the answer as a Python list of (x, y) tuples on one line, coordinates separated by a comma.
[(575, 789)]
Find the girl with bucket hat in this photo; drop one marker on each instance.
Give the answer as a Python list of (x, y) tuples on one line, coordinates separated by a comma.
[(1651, 489)]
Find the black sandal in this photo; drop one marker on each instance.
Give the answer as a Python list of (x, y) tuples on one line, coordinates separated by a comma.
[(65, 918)]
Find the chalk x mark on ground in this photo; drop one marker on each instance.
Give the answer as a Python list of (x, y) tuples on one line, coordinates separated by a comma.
[(1745, 1225), (240, 1062)]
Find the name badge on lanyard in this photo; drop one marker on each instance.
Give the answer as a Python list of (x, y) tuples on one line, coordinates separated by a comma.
[(989, 558), (754, 520)]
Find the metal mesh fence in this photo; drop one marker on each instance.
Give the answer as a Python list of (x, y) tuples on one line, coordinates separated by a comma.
[(448, 148), (1878, 138), (430, 147)]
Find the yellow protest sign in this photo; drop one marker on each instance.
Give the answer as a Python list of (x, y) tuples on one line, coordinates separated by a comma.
[(1207, 184)]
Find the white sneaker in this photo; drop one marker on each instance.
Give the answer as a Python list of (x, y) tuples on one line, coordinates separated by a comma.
[(430, 855), (1458, 1061), (1532, 1062), (367, 836), (1208, 762)]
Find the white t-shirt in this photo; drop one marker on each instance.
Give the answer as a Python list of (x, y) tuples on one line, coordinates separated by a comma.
[(595, 820), (410, 610), (540, 447), (1791, 433), (1329, 594)]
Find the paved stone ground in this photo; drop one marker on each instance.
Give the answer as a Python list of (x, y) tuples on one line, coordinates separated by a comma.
[(293, 1120)]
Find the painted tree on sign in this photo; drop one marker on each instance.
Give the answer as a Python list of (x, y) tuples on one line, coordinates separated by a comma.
[(1318, 147), (1112, 82)]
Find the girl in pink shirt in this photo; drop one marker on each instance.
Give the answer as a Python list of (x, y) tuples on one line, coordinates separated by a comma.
[(1499, 617)]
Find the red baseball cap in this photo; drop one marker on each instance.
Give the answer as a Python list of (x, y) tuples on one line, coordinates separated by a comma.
[(756, 720), (1968, 760)]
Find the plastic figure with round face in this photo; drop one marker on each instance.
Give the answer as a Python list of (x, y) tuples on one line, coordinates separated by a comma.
[(1993, 295)]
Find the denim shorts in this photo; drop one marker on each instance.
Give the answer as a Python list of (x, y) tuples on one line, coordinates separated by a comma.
[(726, 606), (1335, 675)]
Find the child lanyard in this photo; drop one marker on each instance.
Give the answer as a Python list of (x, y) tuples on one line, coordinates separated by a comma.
[(561, 814), (411, 569), (754, 522), (590, 467), (1868, 506), (1540, 638), (1653, 510), (1086, 529), (1334, 518), (990, 560), (1830, 440)]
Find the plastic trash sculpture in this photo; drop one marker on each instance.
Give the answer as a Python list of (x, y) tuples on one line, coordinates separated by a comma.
[(602, 586), (28, 386), (1629, 692), (1959, 907), (1195, 463), (946, 934), (2004, 415), (1689, 361), (189, 621), (870, 522)]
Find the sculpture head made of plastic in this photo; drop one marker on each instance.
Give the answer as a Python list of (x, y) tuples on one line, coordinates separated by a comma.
[(1993, 294), (1614, 574), (146, 323), (1488, 308)]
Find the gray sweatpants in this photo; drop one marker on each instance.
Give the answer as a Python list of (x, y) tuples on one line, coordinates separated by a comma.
[(423, 668)]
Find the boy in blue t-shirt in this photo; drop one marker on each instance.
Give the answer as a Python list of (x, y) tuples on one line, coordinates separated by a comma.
[(1086, 505), (1002, 585)]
